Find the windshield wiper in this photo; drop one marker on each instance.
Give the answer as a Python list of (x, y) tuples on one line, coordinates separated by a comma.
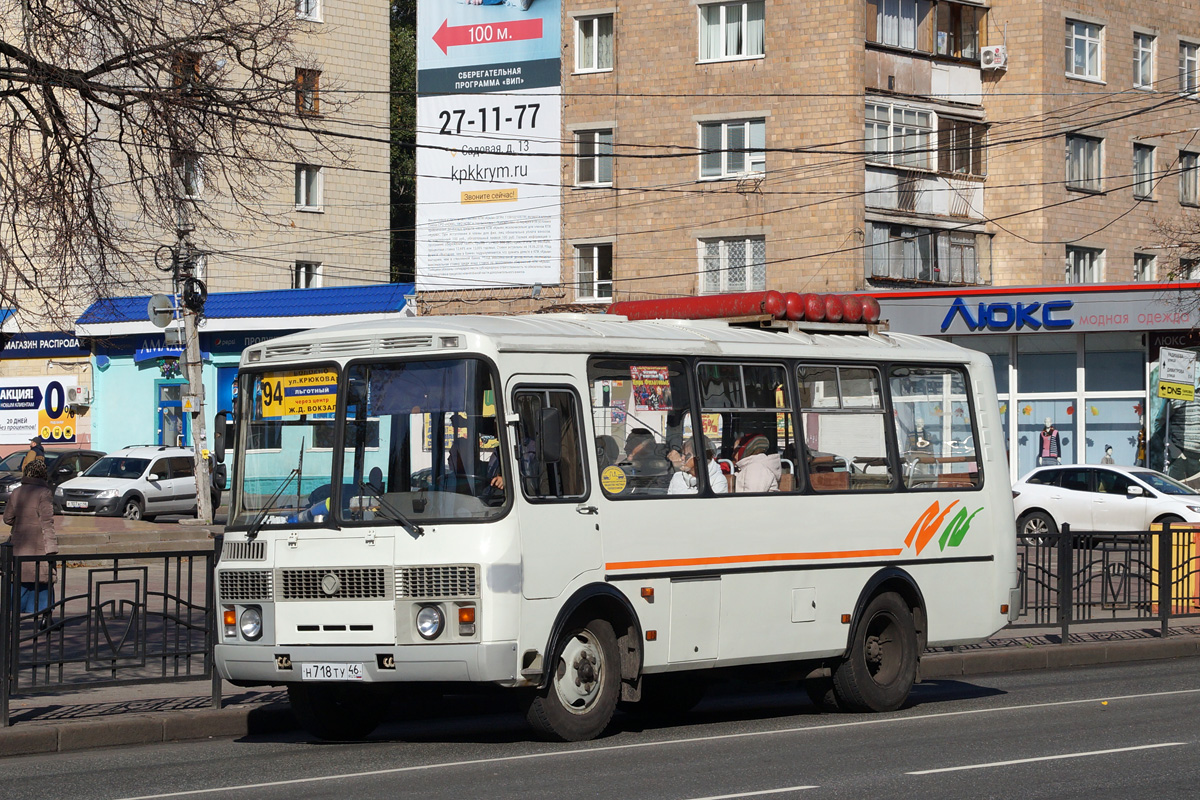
[(394, 513), (252, 532)]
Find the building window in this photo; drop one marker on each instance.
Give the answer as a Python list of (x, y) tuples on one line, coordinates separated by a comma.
[(1144, 267), (1083, 49), (308, 91), (1143, 171), (594, 44), (908, 253), (1188, 194), (593, 158), (960, 146), (1143, 61), (896, 21), (897, 135), (1189, 270), (593, 271), (190, 174), (731, 30), (733, 265), (1189, 67), (1085, 265), (308, 187), (957, 31), (309, 9), (948, 29), (1083, 163), (730, 149), (185, 71), (306, 275)]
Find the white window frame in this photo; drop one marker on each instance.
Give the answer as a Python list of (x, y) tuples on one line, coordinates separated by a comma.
[(1189, 68), (908, 139), (599, 157), (306, 187), (310, 271), (754, 160), (589, 285), (1089, 36), (593, 25), (309, 10), (1145, 267), (1085, 163), (1189, 186), (736, 13), (1189, 270), (191, 177), (1144, 46), (716, 270), (1084, 265), (1143, 171)]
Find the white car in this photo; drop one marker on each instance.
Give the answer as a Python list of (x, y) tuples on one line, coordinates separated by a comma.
[(135, 483), (1099, 498)]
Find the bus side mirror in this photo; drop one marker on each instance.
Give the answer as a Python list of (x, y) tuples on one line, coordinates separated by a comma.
[(550, 436), (220, 429)]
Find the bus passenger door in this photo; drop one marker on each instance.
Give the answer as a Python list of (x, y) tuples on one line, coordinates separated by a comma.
[(560, 536)]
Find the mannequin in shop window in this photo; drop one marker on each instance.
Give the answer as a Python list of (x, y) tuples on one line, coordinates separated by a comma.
[(1049, 449), (1108, 456)]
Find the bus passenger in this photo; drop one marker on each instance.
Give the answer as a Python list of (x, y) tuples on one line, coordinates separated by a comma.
[(757, 470), (685, 481)]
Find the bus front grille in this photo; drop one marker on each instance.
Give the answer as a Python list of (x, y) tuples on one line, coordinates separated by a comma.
[(454, 580), (244, 551), (334, 583), (242, 585)]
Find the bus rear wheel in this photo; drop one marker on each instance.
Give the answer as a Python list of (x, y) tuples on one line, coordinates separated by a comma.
[(579, 698), (880, 670), (338, 712)]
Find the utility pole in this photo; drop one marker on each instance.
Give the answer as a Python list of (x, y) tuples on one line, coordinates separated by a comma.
[(191, 294)]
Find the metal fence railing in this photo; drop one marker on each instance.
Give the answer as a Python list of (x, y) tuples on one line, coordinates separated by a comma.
[(72, 622), (1085, 576)]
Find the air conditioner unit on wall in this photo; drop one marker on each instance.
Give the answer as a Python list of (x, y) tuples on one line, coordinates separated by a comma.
[(79, 396), (994, 57)]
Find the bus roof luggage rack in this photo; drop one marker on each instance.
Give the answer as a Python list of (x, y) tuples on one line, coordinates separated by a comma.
[(791, 311)]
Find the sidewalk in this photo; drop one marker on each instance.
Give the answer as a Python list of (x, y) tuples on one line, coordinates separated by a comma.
[(129, 715)]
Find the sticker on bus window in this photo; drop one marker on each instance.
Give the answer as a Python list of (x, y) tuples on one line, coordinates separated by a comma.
[(651, 388), (289, 394), (613, 480)]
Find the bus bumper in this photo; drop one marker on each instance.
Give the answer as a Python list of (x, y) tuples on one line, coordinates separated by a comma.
[(488, 662)]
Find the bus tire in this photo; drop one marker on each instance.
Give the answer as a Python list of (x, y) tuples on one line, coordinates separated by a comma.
[(821, 693), (581, 692), (338, 712), (881, 667), (669, 694)]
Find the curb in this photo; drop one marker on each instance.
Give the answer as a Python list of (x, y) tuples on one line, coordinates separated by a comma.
[(238, 721)]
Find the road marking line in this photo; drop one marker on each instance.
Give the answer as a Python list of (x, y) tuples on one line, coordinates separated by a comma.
[(892, 720), (755, 794), (1046, 758)]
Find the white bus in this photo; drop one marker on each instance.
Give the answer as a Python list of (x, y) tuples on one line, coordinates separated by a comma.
[(508, 501)]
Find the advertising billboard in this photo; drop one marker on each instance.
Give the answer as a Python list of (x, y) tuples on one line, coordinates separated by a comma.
[(489, 116)]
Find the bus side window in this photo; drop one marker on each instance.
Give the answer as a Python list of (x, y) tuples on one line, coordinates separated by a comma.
[(844, 431), (746, 411), (935, 430), (543, 474)]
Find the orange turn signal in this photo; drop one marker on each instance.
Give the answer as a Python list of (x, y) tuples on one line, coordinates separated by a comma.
[(651, 636), (466, 615), (845, 619), (648, 593), (1004, 608), (230, 617)]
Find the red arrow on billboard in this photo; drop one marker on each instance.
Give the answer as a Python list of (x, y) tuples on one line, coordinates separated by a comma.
[(449, 36)]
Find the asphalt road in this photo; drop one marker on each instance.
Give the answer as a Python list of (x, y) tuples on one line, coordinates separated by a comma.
[(1130, 730)]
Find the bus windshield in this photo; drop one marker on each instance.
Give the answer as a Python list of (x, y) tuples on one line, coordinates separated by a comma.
[(393, 469)]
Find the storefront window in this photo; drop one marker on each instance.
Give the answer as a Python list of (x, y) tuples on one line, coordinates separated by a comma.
[(1114, 362), (1031, 419), (1046, 363), (1112, 424)]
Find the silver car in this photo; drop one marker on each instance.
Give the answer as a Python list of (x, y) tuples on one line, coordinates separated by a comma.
[(135, 483)]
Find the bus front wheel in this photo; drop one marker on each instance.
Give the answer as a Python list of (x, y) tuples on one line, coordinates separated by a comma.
[(581, 693), (880, 670), (338, 712)]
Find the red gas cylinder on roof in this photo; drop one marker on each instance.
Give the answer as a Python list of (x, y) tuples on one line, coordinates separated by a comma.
[(712, 306), (870, 312), (852, 308), (833, 308), (814, 307), (795, 306)]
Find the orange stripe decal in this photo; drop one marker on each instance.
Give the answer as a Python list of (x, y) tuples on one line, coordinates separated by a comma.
[(700, 562)]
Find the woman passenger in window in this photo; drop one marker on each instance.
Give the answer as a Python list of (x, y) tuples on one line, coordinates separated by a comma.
[(757, 470), (686, 480)]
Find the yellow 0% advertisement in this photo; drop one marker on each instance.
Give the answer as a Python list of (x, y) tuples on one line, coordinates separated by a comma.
[(287, 394)]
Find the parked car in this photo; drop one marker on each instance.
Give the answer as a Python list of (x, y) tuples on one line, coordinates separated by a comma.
[(61, 465), (136, 483), (1100, 498)]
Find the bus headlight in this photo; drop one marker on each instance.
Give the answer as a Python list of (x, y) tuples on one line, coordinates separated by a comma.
[(251, 624), (430, 622)]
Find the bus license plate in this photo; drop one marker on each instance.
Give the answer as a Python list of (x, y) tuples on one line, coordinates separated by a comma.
[(332, 672)]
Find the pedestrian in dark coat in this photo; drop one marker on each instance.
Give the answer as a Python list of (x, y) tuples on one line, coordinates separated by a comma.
[(36, 451), (30, 512)]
